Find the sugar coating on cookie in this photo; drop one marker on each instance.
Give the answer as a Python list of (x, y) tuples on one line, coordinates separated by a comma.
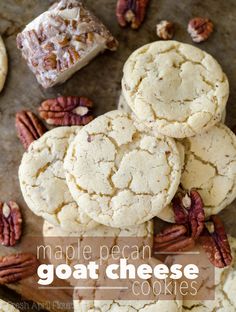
[(43, 182), (225, 289), (176, 88), (7, 307), (210, 167), (142, 230), (3, 64), (119, 172), (167, 214), (127, 305)]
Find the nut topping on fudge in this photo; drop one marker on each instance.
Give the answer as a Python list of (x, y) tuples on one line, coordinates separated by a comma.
[(63, 40)]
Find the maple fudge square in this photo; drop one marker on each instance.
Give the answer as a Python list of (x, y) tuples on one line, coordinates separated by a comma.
[(62, 40)]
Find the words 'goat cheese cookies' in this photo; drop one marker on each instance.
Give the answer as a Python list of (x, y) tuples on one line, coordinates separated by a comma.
[(43, 182), (210, 168), (119, 172), (137, 297), (62, 40), (175, 88)]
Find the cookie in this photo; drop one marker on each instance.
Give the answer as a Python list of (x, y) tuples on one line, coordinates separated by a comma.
[(98, 303), (3, 64), (210, 168), (7, 307), (167, 213), (43, 182), (225, 290), (142, 230), (119, 172), (175, 88)]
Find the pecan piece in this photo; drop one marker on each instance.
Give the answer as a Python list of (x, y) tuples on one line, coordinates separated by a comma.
[(200, 29), (131, 12), (67, 111), (188, 210), (16, 267), (165, 30), (10, 223), (216, 244), (29, 127), (173, 239)]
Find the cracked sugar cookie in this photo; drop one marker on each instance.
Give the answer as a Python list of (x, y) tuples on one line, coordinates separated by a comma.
[(119, 172), (225, 289), (7, 307), (210, 168), (3, 64), (43, 182), (175, 88)]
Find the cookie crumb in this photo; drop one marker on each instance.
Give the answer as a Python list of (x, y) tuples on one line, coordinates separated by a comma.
[(165, 30)]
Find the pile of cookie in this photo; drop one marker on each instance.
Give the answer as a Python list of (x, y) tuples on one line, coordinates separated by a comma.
[(112, 176)]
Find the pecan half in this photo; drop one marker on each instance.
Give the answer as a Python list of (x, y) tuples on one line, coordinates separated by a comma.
[(10, 223), (173, 239), (16, 267), (216, 244), (188, 210), (67, 111), (131, 12), (165, 30), (200, 29), (29, 127)]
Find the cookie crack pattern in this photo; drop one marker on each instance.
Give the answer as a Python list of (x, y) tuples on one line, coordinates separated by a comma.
[(120, 169), (43, 182), (209, 167), (202, 100)]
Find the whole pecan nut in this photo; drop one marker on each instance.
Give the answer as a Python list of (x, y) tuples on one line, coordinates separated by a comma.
[(67, 111), (173, 239), (216, 244), (16, 267), (188, 210), (29, 128), (200, 29), (131, 12), (10, 223)]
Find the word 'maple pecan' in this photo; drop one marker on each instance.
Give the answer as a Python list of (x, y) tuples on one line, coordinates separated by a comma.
[(216, 244), (29, 127), (200, 29), (67, 111), (10, 223), (131, 12), (16, 267)]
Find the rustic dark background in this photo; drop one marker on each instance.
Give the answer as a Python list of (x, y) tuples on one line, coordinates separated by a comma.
[(100, 80)]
